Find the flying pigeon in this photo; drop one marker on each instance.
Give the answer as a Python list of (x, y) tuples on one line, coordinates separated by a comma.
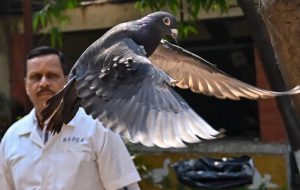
[(126, 78)]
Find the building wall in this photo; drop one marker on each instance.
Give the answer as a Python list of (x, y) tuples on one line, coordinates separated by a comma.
[(4, 66), (271, 124), (9, 25)]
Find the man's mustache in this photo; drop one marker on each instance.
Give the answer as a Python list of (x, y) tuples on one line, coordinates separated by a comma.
[(45, 90)]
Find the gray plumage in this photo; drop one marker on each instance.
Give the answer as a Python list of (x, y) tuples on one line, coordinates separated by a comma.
[(125, 80)]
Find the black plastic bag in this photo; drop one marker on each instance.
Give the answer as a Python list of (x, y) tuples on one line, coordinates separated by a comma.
[(213, 173)]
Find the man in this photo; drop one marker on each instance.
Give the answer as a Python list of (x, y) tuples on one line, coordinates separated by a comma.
[(84, 155)]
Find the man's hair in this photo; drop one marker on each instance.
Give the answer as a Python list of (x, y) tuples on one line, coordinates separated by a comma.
[(47, 50)]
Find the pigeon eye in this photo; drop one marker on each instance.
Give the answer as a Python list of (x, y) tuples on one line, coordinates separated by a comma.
[(167, 21)]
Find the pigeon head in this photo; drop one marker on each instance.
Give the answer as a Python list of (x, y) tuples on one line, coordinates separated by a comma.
[(154, 27), (164, 23)]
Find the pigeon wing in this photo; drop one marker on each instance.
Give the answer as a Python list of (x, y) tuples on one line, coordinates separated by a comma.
[(134, 98), (193, 72)]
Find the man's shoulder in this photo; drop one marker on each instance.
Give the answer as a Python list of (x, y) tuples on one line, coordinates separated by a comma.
[(82, 117), (83, 125), (24, 120), (83, 120), (21, 121), (19, 125)]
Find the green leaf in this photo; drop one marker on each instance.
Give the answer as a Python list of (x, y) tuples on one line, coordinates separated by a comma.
[(43, 20), (55, 37), (36, 21), (64, 20), (173, 4), (72, 4)]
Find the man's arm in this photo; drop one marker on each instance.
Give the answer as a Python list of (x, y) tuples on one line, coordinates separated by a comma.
[(6, 181), (116, 168)]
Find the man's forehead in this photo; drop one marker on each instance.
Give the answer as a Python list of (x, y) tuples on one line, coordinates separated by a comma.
[(49, 62)]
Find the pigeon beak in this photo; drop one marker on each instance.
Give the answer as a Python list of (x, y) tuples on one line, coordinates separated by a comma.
[(174, 34)]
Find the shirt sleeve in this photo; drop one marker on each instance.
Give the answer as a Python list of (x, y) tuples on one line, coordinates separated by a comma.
[(116, 168), (6, 181)]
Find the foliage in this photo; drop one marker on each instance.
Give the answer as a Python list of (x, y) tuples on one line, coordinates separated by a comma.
[(190, 7), (54, 11), (194, 6)]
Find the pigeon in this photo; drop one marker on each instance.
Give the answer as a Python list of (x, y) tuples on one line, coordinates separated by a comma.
[(126, 80)]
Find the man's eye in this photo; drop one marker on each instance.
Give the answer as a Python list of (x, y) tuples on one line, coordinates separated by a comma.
[(35, 77), (52, 76)]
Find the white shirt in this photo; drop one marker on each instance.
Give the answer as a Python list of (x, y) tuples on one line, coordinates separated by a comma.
[(83, 156)]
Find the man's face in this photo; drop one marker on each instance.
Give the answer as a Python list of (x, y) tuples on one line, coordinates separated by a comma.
[(44, 78)]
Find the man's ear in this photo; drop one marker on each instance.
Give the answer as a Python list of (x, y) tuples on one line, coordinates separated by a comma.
[(25, 80)]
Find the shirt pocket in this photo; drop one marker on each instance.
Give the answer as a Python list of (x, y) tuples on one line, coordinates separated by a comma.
[(80, 152)]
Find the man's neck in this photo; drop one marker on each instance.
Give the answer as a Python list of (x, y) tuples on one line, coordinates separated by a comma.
[(38, 119)]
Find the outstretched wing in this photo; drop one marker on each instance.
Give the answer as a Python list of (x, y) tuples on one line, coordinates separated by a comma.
[(134, 98), (193, 72)]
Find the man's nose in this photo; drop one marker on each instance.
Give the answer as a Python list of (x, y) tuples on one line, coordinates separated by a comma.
[(44, 81)]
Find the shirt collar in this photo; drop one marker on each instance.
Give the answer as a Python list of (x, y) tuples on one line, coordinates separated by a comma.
[(29, 124)]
